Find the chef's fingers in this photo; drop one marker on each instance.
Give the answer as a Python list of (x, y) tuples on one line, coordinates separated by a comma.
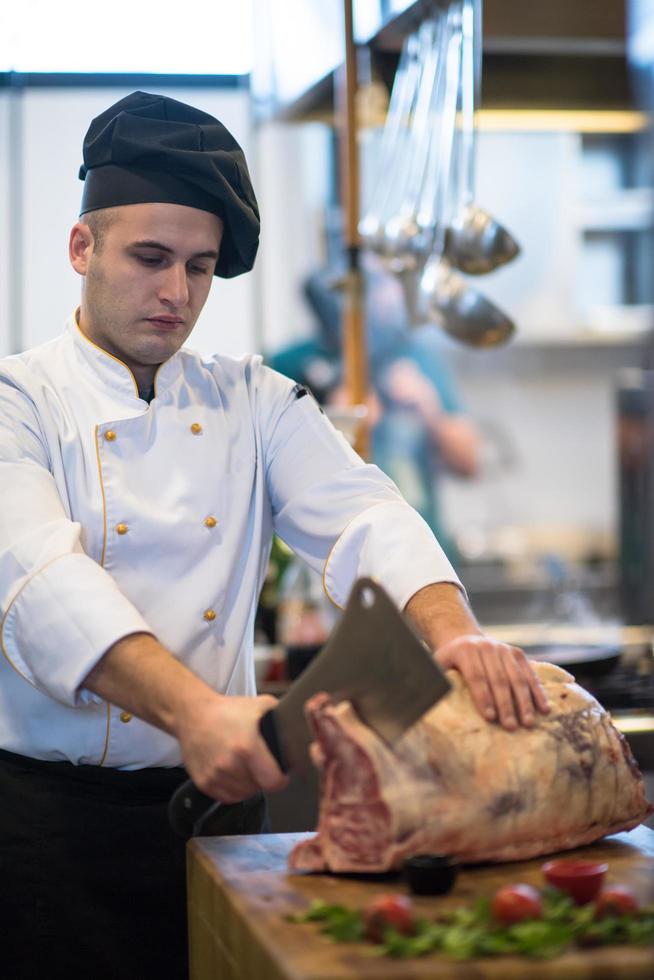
[(251, 777), (494, 659), (228, 788), (518, 674), (264, 769), (470, 665), (536, 688), (242, 773)]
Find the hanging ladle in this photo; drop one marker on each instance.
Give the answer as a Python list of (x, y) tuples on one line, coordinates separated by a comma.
[(475, 242), (461, 311), (393, 159), (449, 301), (412, 232), (408, 243)]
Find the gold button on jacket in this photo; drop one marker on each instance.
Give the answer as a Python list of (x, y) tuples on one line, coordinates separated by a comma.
[(210, 521), (125, 717), (209, 615), (196, 428), (110, 435), (121, 529)]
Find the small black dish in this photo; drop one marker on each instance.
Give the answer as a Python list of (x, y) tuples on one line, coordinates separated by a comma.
[(430, 874)]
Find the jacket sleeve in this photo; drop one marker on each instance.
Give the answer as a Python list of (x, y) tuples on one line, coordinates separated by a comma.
[(60, 611), (343, 516)]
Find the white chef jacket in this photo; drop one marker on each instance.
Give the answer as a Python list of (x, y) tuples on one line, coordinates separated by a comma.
[(118, 516)]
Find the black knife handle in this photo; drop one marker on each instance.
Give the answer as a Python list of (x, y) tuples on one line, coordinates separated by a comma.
[(270, 735), (187, 809)]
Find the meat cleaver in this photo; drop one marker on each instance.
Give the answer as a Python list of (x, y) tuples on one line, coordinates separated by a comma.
[(373, 659)]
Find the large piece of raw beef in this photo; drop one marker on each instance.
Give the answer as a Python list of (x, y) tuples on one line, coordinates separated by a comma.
[(459, 785)]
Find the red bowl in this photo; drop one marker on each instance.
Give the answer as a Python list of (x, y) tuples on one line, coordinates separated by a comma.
[(581, 880)]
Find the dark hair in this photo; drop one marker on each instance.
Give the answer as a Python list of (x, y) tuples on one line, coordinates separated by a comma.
[(99, 222)]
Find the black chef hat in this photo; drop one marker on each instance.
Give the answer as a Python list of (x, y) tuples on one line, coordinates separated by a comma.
[(152, 149)]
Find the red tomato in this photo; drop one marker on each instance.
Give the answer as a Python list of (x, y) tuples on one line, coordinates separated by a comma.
[(389, 912), (616, 900), (515, 903)]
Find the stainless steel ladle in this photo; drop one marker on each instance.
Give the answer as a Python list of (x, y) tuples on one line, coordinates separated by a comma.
[(393, 158), (442, 295), (407, 241), (461, 311), (413, 232), (475, 242)]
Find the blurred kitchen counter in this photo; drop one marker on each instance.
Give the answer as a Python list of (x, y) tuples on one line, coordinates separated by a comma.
[(601, 634), (544, 588)]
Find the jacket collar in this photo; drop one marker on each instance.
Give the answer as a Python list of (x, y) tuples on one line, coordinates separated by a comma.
[(113, 373)]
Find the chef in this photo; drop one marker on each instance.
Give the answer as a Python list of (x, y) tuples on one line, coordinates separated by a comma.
[(141, 486)]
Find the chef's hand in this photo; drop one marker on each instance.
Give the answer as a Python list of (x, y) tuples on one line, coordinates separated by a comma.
[(501, 680), (224, 753)]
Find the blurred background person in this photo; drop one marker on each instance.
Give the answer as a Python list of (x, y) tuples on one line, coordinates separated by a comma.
[(418, 424)]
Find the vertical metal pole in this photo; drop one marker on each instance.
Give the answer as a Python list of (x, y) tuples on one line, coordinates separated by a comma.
[(355, 361)]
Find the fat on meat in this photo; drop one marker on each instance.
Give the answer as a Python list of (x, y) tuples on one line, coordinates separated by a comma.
[(458, 784)]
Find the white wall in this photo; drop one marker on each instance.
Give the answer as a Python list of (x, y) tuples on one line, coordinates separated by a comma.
[(529, 183), (54, 123), (551, 456), (292, 183)]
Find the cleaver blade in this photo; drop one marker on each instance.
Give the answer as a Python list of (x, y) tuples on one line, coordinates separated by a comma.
[(373, 659)]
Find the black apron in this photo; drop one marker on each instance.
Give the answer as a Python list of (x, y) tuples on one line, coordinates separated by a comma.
[(92, 878)]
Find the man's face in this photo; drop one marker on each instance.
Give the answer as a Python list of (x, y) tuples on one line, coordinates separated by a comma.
[(147, 283)]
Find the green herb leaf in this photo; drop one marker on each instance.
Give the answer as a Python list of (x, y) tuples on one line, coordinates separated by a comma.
[(428, 937), (540, 938), (346, 927), (339, 922), (462, 942)]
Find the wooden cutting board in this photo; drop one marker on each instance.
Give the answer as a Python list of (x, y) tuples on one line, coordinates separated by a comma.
[(240, 894)]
